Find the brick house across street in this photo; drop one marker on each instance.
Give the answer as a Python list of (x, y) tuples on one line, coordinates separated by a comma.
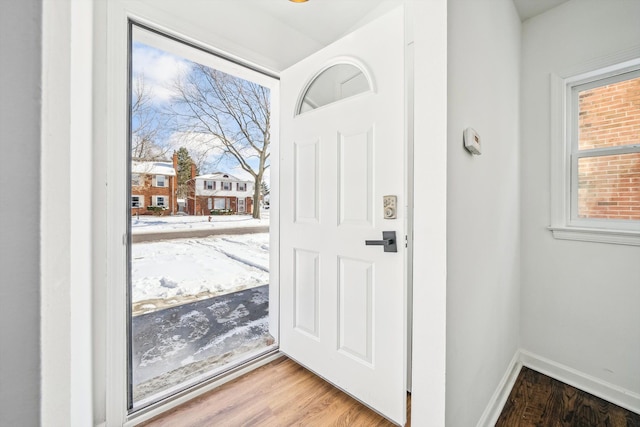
[(153, 185), (219, 192)]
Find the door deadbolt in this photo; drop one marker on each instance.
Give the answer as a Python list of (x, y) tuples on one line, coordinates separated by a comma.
[(389, 207)]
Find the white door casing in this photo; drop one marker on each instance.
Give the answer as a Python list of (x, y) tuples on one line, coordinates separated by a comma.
[(343, 304)]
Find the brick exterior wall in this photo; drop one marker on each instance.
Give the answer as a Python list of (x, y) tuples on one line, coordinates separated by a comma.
[(202, 204), (147, 190), (609, 186)]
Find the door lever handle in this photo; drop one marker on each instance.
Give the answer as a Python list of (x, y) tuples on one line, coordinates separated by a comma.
[(388, 241), (378, 242)]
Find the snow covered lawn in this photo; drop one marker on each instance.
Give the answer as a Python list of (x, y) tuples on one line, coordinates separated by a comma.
[(170, 272), (154, 224)]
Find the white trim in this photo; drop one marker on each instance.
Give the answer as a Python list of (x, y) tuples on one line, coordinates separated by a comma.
[(563, 226), (499, 399), (596, 235), (595, 386), (66, 234)]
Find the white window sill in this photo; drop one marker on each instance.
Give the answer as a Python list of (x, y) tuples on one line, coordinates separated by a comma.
[(598, 235)]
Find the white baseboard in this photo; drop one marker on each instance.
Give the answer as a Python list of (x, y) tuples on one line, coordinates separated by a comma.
[(499, 398), (595, 386)]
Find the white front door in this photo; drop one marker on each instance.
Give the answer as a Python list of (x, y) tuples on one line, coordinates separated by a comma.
[(240, 205), (343, 303)]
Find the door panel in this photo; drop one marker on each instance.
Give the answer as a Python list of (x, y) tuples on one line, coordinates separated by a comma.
[(343, 304)]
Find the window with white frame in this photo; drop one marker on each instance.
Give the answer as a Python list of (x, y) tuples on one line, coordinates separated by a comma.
[(226, 186), (160, 201), (219, 203), (209, 185), (161, 181), (135, 179), (241, 186), (596, 156), (137, 201)]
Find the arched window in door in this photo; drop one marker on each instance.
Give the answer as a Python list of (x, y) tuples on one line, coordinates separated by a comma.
[(332, 84)]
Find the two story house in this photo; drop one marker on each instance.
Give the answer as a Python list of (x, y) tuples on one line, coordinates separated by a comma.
[(153, 185), (219, 192)]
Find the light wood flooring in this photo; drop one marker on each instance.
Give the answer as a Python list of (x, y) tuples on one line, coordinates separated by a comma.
[(281, 393), (539, 401)]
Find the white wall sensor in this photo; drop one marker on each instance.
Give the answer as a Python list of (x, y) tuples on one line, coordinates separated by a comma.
[(472, 141)]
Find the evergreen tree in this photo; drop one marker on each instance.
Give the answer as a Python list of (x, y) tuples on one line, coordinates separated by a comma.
[(184, 172)]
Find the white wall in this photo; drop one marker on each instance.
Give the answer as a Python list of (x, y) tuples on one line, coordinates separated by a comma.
[(580, 301), (20, 51), (483, 209)]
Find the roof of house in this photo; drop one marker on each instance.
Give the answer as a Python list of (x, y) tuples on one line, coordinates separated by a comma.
[(221, 176), (153, 168)]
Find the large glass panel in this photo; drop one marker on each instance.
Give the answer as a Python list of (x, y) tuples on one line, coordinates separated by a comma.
[(198, 261)]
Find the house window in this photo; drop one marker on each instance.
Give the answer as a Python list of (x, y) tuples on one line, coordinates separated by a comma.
[(219, 203), (598, 164), (241, 186), (161, 181), (160, 201), (209, 185), (135, 179), (137, 201), (226, 186)]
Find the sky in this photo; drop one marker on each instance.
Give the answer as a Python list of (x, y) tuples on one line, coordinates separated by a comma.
[(160, 69)]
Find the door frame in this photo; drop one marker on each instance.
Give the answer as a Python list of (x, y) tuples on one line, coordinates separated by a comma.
[(118, 15), (75, 38)]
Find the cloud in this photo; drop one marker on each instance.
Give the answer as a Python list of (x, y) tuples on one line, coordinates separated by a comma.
[(160, 69)]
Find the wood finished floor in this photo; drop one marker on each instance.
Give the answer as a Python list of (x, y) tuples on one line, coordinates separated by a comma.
[(539, 401), (281, 393)]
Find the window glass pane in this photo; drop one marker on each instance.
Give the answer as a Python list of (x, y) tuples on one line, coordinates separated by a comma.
[(199, 306), (219, 203), (609, 187), (335, 83), (609, 115)]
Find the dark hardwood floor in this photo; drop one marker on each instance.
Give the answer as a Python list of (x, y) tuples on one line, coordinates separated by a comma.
[(281, 393), (539, 401)]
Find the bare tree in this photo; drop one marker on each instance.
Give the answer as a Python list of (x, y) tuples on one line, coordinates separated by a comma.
[(236, 113), (145, 124)]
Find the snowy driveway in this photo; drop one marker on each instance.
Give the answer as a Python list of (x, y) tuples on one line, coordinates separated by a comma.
[(174, 345)]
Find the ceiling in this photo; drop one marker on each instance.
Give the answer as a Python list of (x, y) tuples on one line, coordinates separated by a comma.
[(275, 34), (530, 8)]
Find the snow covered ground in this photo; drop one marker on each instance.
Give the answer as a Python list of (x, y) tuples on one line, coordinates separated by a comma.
[(199, 304), (154, 224), (170, 272)]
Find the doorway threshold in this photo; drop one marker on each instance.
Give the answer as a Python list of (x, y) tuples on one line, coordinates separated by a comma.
[(156, 405)]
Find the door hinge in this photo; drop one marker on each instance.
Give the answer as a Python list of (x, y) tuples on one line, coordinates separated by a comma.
[(406, 241)]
